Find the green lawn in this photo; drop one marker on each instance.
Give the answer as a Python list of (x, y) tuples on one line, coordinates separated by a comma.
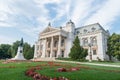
[(15, 71)]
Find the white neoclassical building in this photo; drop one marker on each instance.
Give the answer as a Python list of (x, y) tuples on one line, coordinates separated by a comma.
[(56, 42)]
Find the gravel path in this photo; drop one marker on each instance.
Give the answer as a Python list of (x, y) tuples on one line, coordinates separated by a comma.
[(97, 64)]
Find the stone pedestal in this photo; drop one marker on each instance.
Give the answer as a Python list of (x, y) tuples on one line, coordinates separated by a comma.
[(19, 55)]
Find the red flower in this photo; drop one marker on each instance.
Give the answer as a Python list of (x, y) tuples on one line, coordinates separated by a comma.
[(61, 70)]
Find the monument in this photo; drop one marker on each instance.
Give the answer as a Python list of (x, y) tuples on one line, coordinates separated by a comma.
[(19, 55)]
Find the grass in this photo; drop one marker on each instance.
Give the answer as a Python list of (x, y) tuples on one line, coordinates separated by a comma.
[(83, 74), (15, 71)]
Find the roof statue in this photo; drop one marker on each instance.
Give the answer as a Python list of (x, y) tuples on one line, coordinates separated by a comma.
[(49, 24), (70, 21)]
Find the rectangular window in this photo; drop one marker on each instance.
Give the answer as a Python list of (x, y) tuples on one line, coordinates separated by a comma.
[(94, 52), (62, 55), (48, 53), (48, 44), (55, 53)]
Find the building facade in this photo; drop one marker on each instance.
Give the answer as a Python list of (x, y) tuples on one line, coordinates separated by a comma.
[(57, 42)]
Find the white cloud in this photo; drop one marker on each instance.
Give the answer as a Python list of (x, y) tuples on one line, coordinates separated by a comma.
[(47, 1), (106, 14), (3, 16), (6, 40), (5, 6), (19, 14), (62, 9), (4, 24), (81, 10), (32, 16)]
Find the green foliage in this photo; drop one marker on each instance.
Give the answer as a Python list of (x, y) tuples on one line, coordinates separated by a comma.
[(4, 51), (77, 52), (114, 46), (14, 48), (9, 51), (28, 51)]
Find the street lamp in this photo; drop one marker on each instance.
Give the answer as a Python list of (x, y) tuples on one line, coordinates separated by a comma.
[(90, 45)]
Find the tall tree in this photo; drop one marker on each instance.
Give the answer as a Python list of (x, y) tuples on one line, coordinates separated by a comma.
[(114, 46), (77, 52), (28, 51)]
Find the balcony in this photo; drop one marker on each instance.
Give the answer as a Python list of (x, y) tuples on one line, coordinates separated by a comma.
[(55, 48), (48, 49), (63, 47)]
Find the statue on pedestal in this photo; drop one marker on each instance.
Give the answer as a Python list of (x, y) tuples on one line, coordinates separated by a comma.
[(19, 55)]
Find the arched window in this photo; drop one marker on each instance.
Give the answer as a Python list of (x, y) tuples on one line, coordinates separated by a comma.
[(93, 29), (94, 41), (85, 42), (85, 31), (77, 32)]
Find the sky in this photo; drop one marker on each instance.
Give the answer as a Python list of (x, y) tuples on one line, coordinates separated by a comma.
[(27, 18)]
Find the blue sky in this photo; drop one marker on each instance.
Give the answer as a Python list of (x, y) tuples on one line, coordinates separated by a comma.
[(27, 18)]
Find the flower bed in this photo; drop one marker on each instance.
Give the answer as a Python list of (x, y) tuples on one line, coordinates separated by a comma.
[(62, 70), (68, 70), (36, 76), (74, 69)]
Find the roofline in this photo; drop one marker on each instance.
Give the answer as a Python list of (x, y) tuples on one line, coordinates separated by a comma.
[(91, 25)]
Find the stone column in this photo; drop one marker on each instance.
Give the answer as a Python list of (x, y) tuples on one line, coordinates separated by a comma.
[(59, 46), (44, 48), (51, 49), (65, 53), (35, 50), (39, 48)]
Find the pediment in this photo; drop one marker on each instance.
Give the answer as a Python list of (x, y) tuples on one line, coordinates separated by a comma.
[(49, 29)]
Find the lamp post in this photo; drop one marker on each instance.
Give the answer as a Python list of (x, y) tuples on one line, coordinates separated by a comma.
[(90, 45)]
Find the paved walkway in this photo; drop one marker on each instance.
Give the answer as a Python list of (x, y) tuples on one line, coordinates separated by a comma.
[(107, 65)]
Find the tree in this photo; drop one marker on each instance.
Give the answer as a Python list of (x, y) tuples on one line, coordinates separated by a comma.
[(14, 48), (9, 51), (1, 54), (28, 51), (77, 52), (114, 46), (110, 48), (4, 51)]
